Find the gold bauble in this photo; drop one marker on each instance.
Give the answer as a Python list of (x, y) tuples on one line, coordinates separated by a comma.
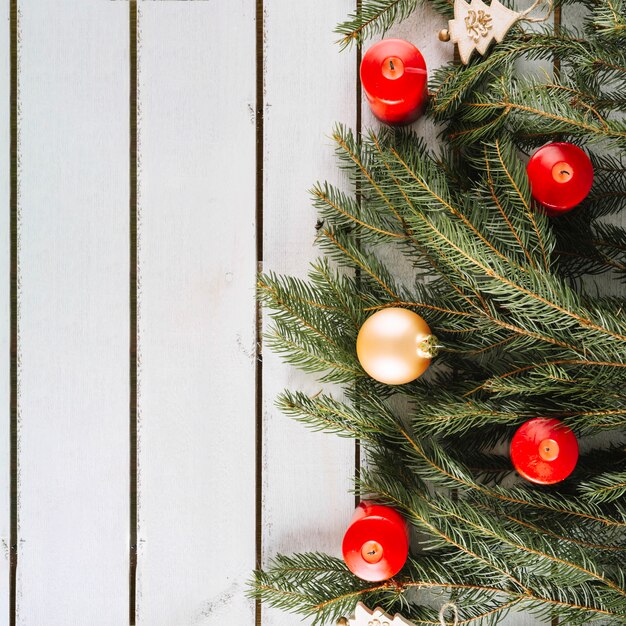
[(395, 346), (444, 35)]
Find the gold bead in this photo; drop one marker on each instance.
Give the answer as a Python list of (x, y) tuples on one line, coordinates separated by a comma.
[(444, 35), (395, 345), (342, 621)]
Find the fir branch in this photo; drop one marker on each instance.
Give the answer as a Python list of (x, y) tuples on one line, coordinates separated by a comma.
[(324, 413), (531, 230), (499, 283), (376, 17), (529, 289), (531, 107), (482, 551), (608, 20), (439, 468), (304, 332), (452, 83), (607, 487)]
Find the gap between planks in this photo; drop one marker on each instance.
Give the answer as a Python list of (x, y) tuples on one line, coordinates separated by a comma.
[(358, 104), (13, 466), (132, 556), (258, 368)]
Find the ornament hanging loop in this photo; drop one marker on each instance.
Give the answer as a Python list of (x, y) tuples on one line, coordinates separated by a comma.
[(442, 613), (532, 7)]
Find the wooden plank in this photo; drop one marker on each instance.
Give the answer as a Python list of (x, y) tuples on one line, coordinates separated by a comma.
[(422, 30), (197, 266), (73, 313), (306, 476), (5, 328)]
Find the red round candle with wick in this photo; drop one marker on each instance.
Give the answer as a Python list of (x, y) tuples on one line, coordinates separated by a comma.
[(560, 176), (544, 451), (394, 78), (376, 544)]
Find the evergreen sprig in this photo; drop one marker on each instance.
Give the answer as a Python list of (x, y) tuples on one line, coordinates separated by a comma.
[(525, 328), (375, 17)]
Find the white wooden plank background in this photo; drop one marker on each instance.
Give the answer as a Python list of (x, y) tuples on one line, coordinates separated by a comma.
[(197, 265), (73, 377), (196, 281), (306, 475), (5, 331)]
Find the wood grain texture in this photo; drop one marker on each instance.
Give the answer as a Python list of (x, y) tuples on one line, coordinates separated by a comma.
[(309, 85), (5, 317), (196, 280), (73, 313)]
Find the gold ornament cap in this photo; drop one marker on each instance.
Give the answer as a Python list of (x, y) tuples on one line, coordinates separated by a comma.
[(395, 346)]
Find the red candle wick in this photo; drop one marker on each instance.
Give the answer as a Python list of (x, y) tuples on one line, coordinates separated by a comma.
[(562, 172), (372, 551), (393, 68), (549, 450)]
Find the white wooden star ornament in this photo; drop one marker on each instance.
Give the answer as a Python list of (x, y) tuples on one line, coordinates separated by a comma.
[(476, 24)]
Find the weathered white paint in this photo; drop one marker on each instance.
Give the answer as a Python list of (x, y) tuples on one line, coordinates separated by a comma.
[(73, 313), (197, 267), (5, 331), (309, 85)]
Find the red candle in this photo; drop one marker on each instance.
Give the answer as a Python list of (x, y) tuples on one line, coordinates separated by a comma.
[(544, 451), (560, 176), (376, 544), (393, 74)]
